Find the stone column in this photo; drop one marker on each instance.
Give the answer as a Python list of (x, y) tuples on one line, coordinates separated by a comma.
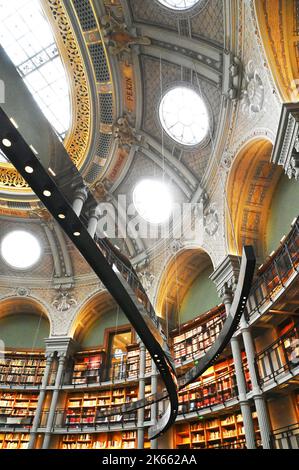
[(141, 396), (259, 400), (52, 410), (80, 198), (40, 402), (154, 410), (240, 378), (93, 222)]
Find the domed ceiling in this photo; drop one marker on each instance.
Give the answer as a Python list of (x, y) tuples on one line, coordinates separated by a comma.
[(122, 60)]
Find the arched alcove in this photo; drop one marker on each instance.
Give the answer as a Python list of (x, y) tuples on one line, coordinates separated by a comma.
[(250, 187), (97, 315), (185, 290), (284, 208), (24, 324)]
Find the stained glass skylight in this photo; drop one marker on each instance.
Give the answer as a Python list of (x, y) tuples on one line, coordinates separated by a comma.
[(27, 38), (184, 116), (179, 4)]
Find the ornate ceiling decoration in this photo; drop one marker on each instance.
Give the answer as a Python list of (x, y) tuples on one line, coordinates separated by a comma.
[(250, 188), (278, 22)]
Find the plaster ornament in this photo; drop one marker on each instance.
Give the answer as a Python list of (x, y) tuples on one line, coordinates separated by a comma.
[(126, 134), (211, 221), (175, 246), (147, 280), (22, 291), (119, 39), (64, 301), (226, 161), (253, 93)]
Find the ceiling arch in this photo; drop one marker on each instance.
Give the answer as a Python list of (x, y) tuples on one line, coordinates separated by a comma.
[(278, 23), (13, 305), (250, 187), (179, 274), (89, 312)]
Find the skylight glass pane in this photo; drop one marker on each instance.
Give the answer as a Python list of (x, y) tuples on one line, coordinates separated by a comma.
[(26, 36), (179, 4), (184, 116)]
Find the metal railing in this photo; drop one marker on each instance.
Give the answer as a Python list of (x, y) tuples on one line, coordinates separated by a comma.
[(208, 394), (94, 419), (273, 279), (281, 356), (129, 274), (286, 438)]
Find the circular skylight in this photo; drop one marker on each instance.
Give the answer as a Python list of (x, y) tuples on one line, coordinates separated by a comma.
[(184, 116), (152, 200), (179, 4), (20, 249)]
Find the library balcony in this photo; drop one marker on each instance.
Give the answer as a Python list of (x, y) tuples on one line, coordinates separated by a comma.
[(280, 361), (286, 438), (276, 275)]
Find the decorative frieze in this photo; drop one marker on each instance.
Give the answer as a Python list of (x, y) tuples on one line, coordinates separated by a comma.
[(286, 148)]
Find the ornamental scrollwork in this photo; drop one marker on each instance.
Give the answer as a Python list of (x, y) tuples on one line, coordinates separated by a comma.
[(253, 93)]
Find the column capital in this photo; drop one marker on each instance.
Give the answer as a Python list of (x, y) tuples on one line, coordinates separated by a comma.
[(61, 345), (49, 356), (81, 193), (226, 274)]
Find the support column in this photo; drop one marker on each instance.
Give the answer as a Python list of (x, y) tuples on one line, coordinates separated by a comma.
[(40, 402), (154, 410), (80, 198), (93, 222), (240, 378), (141, 396), (259, 400), (50, 420)]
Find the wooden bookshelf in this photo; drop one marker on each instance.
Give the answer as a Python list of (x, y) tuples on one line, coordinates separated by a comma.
[(223, 431), (195, 337), (14, 441), (88, 368), (87, 408), (22, 368), (216, 385), (106, 440), (132, 364), (17, 408)]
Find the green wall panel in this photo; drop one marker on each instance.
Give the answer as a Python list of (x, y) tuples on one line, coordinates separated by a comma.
[(201, 297), (284, 208), (95, 335), (24, 331)]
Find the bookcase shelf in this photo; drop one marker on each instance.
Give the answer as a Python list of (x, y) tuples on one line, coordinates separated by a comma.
[(194, 339), (85, 408), (223, 431), (14, 441), (106, 440), (17, 409), (215, 386), (88, 368), (22, 368)]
